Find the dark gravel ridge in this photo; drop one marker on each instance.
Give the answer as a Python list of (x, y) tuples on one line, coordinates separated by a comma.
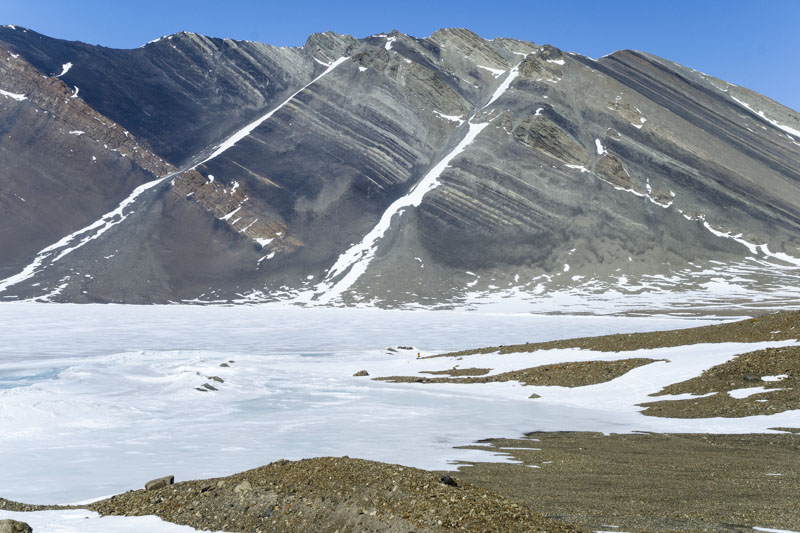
[(572, 374), (649, 482), (326, 494), (742, 372), (773, 327)]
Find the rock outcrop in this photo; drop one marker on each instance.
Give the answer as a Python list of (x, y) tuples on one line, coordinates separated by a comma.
[(390, 169)]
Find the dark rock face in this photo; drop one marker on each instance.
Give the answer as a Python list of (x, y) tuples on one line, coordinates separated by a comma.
[(388, 169), (63, 163)]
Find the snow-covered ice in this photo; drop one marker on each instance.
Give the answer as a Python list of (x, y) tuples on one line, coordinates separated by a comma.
[(98, 399), (84, 521)]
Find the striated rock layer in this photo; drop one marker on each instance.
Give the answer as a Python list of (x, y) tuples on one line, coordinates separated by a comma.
[(389, 169)]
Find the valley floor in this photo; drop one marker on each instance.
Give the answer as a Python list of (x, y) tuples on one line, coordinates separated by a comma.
[(714, 449)]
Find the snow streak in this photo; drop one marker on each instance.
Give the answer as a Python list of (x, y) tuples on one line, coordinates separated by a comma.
[(247, 130), (77, 239), (352, 264)]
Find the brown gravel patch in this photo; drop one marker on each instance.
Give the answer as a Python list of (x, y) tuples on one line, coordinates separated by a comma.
[(327, 494), (741, 372), (778, 326), (651, 482), (574, 374)]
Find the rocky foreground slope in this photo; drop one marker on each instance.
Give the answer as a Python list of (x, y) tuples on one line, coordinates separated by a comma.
[(389, 169)]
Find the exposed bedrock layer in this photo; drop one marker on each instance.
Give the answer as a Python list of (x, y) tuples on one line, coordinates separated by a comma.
[(289, 157)]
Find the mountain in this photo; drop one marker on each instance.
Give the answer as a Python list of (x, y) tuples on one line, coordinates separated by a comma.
[(392, 171)]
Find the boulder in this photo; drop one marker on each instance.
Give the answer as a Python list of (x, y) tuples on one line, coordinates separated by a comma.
[(159, 483), (13, 526), (361, 373)]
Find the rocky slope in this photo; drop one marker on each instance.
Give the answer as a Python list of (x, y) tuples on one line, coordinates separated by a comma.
[(395, 170)]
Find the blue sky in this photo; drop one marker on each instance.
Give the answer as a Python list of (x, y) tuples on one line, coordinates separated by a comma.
[(752, 43)]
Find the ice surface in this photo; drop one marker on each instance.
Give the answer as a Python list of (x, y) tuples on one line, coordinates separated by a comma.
[(98, 399), (85, 521)]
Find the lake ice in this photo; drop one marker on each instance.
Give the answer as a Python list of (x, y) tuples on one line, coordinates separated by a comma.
[(96, 400)]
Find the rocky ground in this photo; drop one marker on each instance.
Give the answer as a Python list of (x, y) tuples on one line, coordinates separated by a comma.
[(651, 482), (780, 366), (575, 374), (773, 327), (328, 494)]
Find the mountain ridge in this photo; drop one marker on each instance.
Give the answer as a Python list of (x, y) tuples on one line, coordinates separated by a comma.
[(599, 170)]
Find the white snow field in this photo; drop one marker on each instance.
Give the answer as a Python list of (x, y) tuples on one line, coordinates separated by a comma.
[(83, 521), (98, 399)]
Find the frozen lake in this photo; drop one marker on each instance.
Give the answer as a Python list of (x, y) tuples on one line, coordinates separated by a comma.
[(98, 399)]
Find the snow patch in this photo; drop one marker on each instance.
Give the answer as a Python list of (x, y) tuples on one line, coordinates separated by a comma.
[(13, 96), (578, 167), (600, 149), (761, 114), (64, 69), (77, 132), (229, 215), (750, 391), (389, 42), (512, 75), (496, 72), (85, 521), (451, 118)]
